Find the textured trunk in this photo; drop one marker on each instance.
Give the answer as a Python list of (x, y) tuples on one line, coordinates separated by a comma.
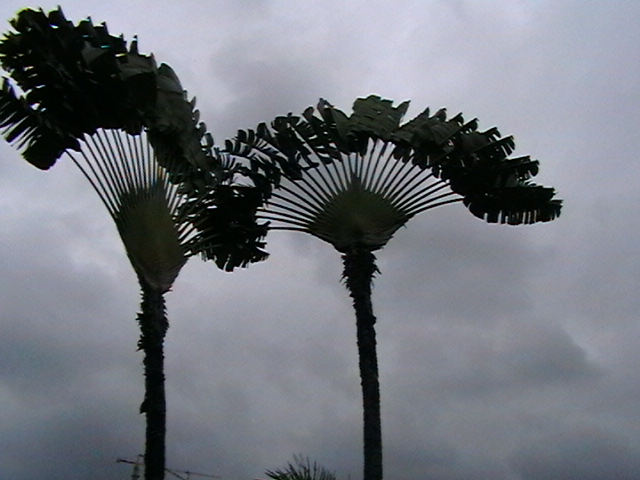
[(359, 270), (153, 327)]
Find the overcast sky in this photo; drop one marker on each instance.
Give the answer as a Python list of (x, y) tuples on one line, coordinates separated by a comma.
[(506, 353)]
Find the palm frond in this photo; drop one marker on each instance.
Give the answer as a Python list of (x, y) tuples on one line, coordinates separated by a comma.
[(228, 230), (40, 141), (72, 74), (301, 469), (73, 83), (524, 204)]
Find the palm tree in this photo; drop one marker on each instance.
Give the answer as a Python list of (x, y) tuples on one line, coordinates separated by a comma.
[(128, 126), (354, 180)]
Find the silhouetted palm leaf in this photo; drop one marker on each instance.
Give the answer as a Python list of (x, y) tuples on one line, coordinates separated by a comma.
[(76, 78), (301, 469)]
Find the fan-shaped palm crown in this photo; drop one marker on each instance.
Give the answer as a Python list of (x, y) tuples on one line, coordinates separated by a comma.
[(354, 180), (128, 125)]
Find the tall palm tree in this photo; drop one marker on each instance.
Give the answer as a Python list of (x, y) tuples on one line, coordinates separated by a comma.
[(129, 127), (354, 180)]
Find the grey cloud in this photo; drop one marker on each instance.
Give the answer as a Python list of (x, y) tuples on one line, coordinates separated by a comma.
[(542, 355), (498, 347), (446, 258), (580, 454), (474, 364)]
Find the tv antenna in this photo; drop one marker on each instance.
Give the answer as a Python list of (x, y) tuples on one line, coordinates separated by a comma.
[(181, 474)]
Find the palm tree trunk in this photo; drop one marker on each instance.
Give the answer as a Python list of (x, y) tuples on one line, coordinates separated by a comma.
[(359, 270), (153, 327)]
